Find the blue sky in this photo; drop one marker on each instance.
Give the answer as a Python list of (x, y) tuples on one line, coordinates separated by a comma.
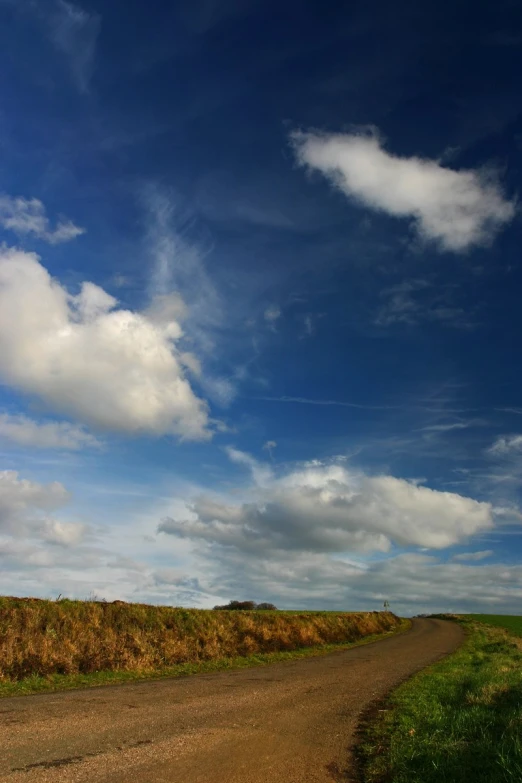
[(259, 302)]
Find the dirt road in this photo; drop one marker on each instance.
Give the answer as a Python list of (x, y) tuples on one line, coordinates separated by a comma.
[(289, 722)]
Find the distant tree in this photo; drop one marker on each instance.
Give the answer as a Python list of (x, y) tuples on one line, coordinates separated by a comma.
[(239, 605), (247, 606)]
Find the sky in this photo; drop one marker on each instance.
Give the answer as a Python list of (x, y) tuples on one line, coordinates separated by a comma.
[(260, 279)]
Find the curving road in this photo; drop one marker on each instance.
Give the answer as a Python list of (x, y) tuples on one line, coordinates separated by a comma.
[(289, 722)]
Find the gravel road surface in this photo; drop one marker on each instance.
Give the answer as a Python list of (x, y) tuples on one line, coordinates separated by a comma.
[(288, 722)]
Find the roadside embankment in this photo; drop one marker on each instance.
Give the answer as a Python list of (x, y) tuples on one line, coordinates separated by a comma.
[(40, 638)]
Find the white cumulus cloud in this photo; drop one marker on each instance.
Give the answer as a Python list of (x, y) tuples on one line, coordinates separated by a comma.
[(330, 509), (24, 503), (456, 209), (28, 216), (28, 525), (110, 368), (63, 533), (44, 435)]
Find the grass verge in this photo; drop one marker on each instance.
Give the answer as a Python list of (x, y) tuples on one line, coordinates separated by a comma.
[(511, 623), (59, 682), (459, 720)]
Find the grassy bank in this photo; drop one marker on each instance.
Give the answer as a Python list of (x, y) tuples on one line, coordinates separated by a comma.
[(509, 622), (66, 643), (459, 720)]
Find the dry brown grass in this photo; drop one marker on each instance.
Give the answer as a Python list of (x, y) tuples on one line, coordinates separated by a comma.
[(79, 637)]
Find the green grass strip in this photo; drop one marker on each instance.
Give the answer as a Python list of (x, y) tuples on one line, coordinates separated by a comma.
[(459, 720), (60, 682)]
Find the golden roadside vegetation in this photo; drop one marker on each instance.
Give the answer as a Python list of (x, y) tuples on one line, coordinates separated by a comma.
[(40, 638)]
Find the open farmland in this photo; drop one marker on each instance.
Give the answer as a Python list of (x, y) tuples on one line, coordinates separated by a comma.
[(511, 623)]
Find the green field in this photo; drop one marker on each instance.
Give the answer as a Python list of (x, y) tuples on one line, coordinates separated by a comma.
[(459, 720), (512, 623)]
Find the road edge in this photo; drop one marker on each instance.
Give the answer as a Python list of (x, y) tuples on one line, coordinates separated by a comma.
[(369, 717)]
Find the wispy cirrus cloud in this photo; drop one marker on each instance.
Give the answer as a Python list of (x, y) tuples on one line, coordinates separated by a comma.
[(447, 427), (455, 209), (269, 446), (341, 403), (71, 30), (474, 556), (414, 301), (179, 281), (272, 315), (506, 445), (74, 32), (178, 257), (28, 216)]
